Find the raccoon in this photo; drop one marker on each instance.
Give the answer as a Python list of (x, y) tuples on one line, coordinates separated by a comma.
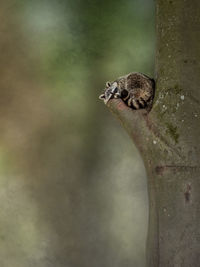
[(135, 89)]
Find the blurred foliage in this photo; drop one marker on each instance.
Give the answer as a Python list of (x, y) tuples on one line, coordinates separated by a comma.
[(73, 188)]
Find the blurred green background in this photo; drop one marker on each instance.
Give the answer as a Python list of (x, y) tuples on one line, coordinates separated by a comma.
[(72, 185)]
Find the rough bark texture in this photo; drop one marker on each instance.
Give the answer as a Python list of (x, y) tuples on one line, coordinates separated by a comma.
[(168, 138)]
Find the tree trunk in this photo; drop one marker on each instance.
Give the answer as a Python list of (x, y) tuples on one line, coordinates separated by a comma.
[(168, 137)]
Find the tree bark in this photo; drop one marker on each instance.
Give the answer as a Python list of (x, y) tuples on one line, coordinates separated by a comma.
[(168, 137)]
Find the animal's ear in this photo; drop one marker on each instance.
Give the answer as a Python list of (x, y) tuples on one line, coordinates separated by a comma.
[(108, 84), (102, 96)]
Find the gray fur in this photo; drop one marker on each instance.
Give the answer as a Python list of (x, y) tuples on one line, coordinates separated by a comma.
[(135, 89)]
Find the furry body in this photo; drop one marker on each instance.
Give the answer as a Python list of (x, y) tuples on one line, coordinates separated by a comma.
[(135, 89)]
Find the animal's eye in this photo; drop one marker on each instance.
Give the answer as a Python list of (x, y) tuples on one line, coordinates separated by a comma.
[(115, 90), (124, 93)]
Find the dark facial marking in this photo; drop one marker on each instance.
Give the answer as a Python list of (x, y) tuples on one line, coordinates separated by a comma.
[(115, 90)]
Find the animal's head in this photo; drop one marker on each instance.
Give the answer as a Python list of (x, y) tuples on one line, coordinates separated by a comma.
[(111, 91)]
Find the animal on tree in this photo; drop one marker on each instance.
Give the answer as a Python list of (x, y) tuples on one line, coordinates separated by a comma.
[(135, 89)]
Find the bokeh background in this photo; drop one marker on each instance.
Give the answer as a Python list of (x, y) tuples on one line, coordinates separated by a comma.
[(73, 188)]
